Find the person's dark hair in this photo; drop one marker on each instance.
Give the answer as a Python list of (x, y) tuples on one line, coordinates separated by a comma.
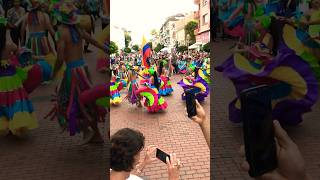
[(196, 70), (156, 80), (160, 67), (125, 144), (3, 39), (275, 31)]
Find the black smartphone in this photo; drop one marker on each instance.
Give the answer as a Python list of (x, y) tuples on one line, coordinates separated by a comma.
[(162, 155), (191, 103), (256, 114)]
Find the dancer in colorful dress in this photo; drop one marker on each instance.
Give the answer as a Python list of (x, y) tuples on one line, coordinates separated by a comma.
[(154, 102), (271, 62), (115, 88), (38, 24), (16, 110), (165, 88), (71, 114), (199, 79), (133, 86)]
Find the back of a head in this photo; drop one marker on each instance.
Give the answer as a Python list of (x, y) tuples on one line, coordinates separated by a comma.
[(125, 145), (3, 38)]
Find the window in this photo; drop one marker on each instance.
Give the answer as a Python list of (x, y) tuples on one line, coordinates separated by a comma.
[(205, 19), (204, 3)]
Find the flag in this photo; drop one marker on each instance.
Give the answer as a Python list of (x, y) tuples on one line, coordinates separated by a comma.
[(146, 53)]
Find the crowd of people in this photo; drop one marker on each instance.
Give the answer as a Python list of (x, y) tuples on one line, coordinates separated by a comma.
[(45, 47), (151, 79), (148, 82)]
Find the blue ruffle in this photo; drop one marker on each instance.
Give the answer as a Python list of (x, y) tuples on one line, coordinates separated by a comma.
[(19, 106), (165, 91)]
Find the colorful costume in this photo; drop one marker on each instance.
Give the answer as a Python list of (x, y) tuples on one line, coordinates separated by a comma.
[(165, 87), (115, 88), (202, 82), (39, 44), (16, 110), (153, 100), (290, 77), (71, 113), (102, 62), (132, 95)]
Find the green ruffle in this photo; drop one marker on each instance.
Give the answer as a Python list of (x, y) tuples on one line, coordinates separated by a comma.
[(11, 83), (313, 62), (104, 102)]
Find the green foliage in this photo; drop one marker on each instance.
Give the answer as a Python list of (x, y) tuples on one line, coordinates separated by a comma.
[(206, 47), (113, 47), (135, 47), (182, 48), (127, 50), (127, 39), (150, 44), (158, 47), (189, 29)]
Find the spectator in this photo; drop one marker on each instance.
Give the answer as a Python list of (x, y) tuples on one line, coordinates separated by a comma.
[(15, 14), (291, 164), (2, 13), (126, 147), (203, 122)]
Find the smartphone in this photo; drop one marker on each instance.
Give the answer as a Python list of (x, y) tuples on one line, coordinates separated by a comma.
[(256, 114), (162, 155), (191, 103)]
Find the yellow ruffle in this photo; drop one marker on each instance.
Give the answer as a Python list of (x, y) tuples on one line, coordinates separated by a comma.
[(115, 101), (20, 120)]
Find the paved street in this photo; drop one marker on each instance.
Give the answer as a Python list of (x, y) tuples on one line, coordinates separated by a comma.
[(46, 153), (227, 137), (171, 131)]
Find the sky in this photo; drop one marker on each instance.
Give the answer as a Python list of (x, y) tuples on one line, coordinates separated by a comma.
[(141, 16)]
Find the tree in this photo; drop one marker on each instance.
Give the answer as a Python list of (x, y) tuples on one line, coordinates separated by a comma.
[(182, 48), (127, 38), (127, 50), (158, 47), (150, 44), (206, 47), (113, 47), (189, 29), (154, 33), (135, 47)]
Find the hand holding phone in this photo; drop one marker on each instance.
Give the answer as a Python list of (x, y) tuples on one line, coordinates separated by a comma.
[(191, 103), (162, 155), (260, 147)]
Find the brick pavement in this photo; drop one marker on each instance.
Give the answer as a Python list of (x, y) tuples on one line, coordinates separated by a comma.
[(46, 153), (227, 137), (171, 131)]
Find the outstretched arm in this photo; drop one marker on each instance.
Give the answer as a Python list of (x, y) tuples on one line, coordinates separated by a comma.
[(235, 13), (86, 36), (60, 53), (23, 30)]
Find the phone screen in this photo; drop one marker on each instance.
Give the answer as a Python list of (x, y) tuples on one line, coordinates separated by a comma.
[(191, 103), (162, 155), (258, 130)]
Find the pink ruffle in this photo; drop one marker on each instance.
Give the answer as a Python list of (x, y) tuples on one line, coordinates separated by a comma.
[(238, 31), (34, 78), (9, 98), (102, 65), (91, 95)]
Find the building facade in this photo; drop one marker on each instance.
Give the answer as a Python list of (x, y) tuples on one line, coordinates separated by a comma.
[(203, 16)]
